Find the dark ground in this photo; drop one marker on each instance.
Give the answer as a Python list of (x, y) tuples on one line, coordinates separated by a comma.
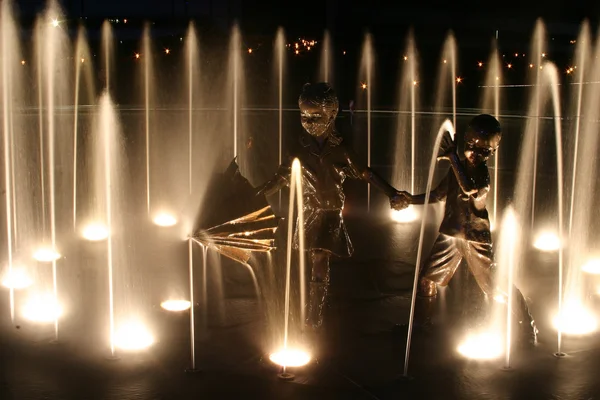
[(361, 354)]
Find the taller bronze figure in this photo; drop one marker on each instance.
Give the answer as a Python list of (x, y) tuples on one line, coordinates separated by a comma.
[(326, 162), (465, 230)]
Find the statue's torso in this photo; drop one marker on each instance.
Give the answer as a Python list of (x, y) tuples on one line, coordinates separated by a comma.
[(465, 216)]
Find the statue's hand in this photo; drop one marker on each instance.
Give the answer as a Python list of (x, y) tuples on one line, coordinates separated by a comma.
[(400, 200)]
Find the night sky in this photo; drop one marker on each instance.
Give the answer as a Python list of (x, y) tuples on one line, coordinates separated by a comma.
[(342, 15)]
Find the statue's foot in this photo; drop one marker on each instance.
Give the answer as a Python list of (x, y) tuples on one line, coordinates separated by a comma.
[(427, 288)]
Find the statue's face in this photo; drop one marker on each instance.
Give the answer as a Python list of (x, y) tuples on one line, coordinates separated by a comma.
[(479, 148), (315, 120)]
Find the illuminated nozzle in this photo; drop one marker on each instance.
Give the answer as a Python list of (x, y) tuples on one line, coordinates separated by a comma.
[(16, 279), (409, 214), (164, 219), (95, 232), (290, 358), (133, 336), (482, 346), (46, 254), (42, 309), (592, 267), (575, 319), (547, 241), (175, 305)]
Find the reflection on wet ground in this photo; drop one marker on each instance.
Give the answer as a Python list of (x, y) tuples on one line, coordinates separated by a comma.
[(360, 355)]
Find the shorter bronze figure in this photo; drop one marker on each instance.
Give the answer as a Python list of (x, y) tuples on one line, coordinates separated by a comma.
[(326, 162), (464, 233)]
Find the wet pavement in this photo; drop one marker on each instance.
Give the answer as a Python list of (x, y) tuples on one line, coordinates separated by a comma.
[(359, 355)]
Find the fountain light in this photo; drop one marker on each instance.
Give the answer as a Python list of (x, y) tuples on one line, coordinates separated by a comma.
[(480, 64), (500, 298), (543, 54), (297, 52), (17, 278), (592, 266), (165, 219), (445, 61), (290, 358), (458, 79), (55, 23), (133, 336), (575, 319), (250, 50), (363, 85), (82, 60), (547, 241), (137, 55), (95, 232), (344, 52), (46, 254), (415, 83), (43, 309), (530, 65), (482, 346), (509, 65), (176, 305), (516, 54), (409, 214), (405, 58), (167, 51), (22, 62)]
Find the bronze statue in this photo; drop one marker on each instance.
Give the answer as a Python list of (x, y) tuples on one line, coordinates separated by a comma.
[(326, 162), (465, 230)]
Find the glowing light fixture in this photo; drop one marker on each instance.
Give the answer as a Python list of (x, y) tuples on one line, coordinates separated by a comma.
[(133, 336), (290, 358), (175, 305), (164, 219), (592, 266), (42, 309), (547, 241), (55, 23), (575, 319), (482, 346), (16, 279), (46, 254), (95, 232), (409, 214)]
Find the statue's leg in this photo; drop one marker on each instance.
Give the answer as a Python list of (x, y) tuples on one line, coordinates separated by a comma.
[(480, 258), (440, 267), (319, 283)]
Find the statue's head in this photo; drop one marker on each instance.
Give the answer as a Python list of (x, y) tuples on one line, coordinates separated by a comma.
[(482, 138), (318, 108)]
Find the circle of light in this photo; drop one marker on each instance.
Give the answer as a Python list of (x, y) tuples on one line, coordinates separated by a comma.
[(165, 219), (482, 346), (290, 358), (46, 255), (575, 320), (133, 336), (95, 232), (592, 267), (409, 214), (547, 241), (16, 279), (176, 305), (42, 309)]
